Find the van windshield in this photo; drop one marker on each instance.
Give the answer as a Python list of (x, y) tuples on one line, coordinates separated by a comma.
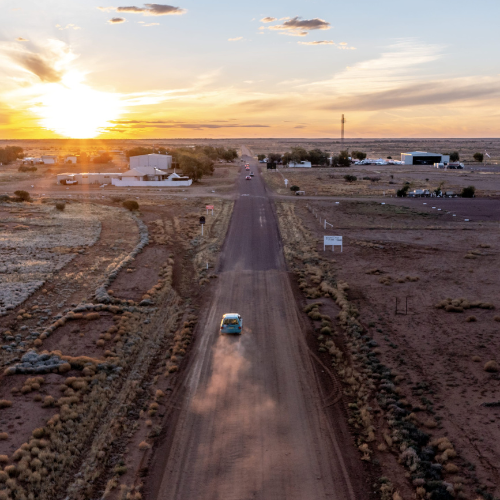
[(230, 321)]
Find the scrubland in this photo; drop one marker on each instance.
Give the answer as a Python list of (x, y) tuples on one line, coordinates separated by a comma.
[(407, 318), (96, 325)]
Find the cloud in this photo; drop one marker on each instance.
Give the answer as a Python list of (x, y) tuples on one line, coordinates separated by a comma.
[(43, 66), (320, 42), (21, 39), (298, 24), (117, 20), (422, 94), (152, 9), (268, 19), (172, 124), (68, 26), (294, 33), (235, 39), (145, 25)]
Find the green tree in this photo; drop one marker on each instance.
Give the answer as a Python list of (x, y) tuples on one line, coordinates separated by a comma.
[(299, 154), (401, 193), (359, 155), (22, 195), (10, 154), (468, 192), (130, 205), (139, 150), (229, 155), (455, 156), (479, 157), (102, 158), (195, 165), (274, 157), (261, 157), (318, 157)]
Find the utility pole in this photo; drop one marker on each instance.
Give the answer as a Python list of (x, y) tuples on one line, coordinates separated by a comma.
[(342, 132)]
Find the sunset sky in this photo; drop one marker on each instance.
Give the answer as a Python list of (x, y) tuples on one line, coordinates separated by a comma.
[(279, 68)]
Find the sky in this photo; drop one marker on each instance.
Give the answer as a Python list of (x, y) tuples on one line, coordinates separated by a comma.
[(227, 69)]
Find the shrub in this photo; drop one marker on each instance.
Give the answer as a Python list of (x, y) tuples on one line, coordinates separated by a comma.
[(131, 205), (22, 195), (4, 459), (48, 402), (39, 433), (471, 319), (92, 316), (451, 468), (117, 199), (491, 366), (468, 192), (4, 436), (326, 330), (496, 318), (5, 403), (479, 157), (143, 445), (476, 359), (350, 178), (60, 205), (401, 193), (294, 188)]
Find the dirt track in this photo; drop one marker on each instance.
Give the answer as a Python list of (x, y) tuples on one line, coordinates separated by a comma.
[(251, 423)]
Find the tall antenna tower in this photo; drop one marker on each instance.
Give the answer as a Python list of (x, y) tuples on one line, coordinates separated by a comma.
[(342, 122)]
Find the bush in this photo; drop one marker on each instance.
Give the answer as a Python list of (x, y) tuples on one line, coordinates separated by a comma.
[(454, 156), (131, 205), (294, 188), (468, 192), (350, 178), (479, 157), (3, 436), (401, 193), (60, 205), (23, 195), (491, 366), (4, 403)]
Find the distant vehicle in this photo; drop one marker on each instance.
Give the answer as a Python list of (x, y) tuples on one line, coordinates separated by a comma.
[(456, 165), (69, 182), (247, 168), (231, 323), (251, 174), (248, 178), (262, 161), (247, 165)]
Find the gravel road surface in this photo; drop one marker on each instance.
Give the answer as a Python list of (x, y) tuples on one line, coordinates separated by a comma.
[(251, 423)]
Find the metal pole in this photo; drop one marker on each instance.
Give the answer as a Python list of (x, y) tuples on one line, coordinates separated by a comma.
[(342, 132), (202, 229)]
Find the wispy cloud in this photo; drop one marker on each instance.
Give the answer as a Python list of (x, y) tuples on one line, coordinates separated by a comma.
[(320, 42), (299, 24), (68, 27), (174, 124), (146, 25), (117, 20), (268, 19), (149, 9), (235, 39), (21, 39)]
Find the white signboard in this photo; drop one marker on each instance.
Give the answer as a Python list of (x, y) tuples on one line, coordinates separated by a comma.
[(286, 182), (333, 241)]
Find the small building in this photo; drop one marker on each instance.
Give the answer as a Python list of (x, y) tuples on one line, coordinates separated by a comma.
[(49, 159), (71, 159), (150, 177), (302, 164), (423, 158), (87, 178), (162, 162)]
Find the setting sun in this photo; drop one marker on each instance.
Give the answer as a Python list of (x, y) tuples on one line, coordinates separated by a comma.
[(73, 109)]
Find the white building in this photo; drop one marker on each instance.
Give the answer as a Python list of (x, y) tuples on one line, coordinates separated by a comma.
[(87, 178), (49, 159), (149, 177), (71, 159), (163, 162), (303, 164), (423, 158)]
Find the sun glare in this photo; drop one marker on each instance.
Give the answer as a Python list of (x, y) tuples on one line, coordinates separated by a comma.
[(73, 109)]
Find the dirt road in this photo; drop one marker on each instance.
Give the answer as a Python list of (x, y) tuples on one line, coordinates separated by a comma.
[(251, 424)]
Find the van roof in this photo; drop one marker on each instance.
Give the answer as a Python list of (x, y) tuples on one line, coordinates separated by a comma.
[(230, 314)]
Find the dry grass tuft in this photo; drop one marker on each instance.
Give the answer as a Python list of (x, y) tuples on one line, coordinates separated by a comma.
[(451, 468), (4, 436), (491, 366), (143, 445), (496, 318), (92, 316), (5, 403), (476, 359), (471, 319)]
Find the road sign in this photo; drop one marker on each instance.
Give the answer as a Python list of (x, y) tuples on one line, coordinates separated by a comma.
[(286, 182), (210, 207), (333, 241), (202, 220)]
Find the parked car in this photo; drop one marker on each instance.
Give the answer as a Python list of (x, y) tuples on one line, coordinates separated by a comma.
[(231, 323)]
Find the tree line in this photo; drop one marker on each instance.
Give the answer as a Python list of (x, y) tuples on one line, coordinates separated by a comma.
[(315, 156)]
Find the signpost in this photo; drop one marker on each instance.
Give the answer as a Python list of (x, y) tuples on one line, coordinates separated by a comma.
[(202, 222), (333, 241), (286, 182), (210, 207)]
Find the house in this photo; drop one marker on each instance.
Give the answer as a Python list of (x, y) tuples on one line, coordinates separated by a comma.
[(423, 158), (163, 162), (71, 159), (49, 159), (87, 178), (150, 177), (303, 164)]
